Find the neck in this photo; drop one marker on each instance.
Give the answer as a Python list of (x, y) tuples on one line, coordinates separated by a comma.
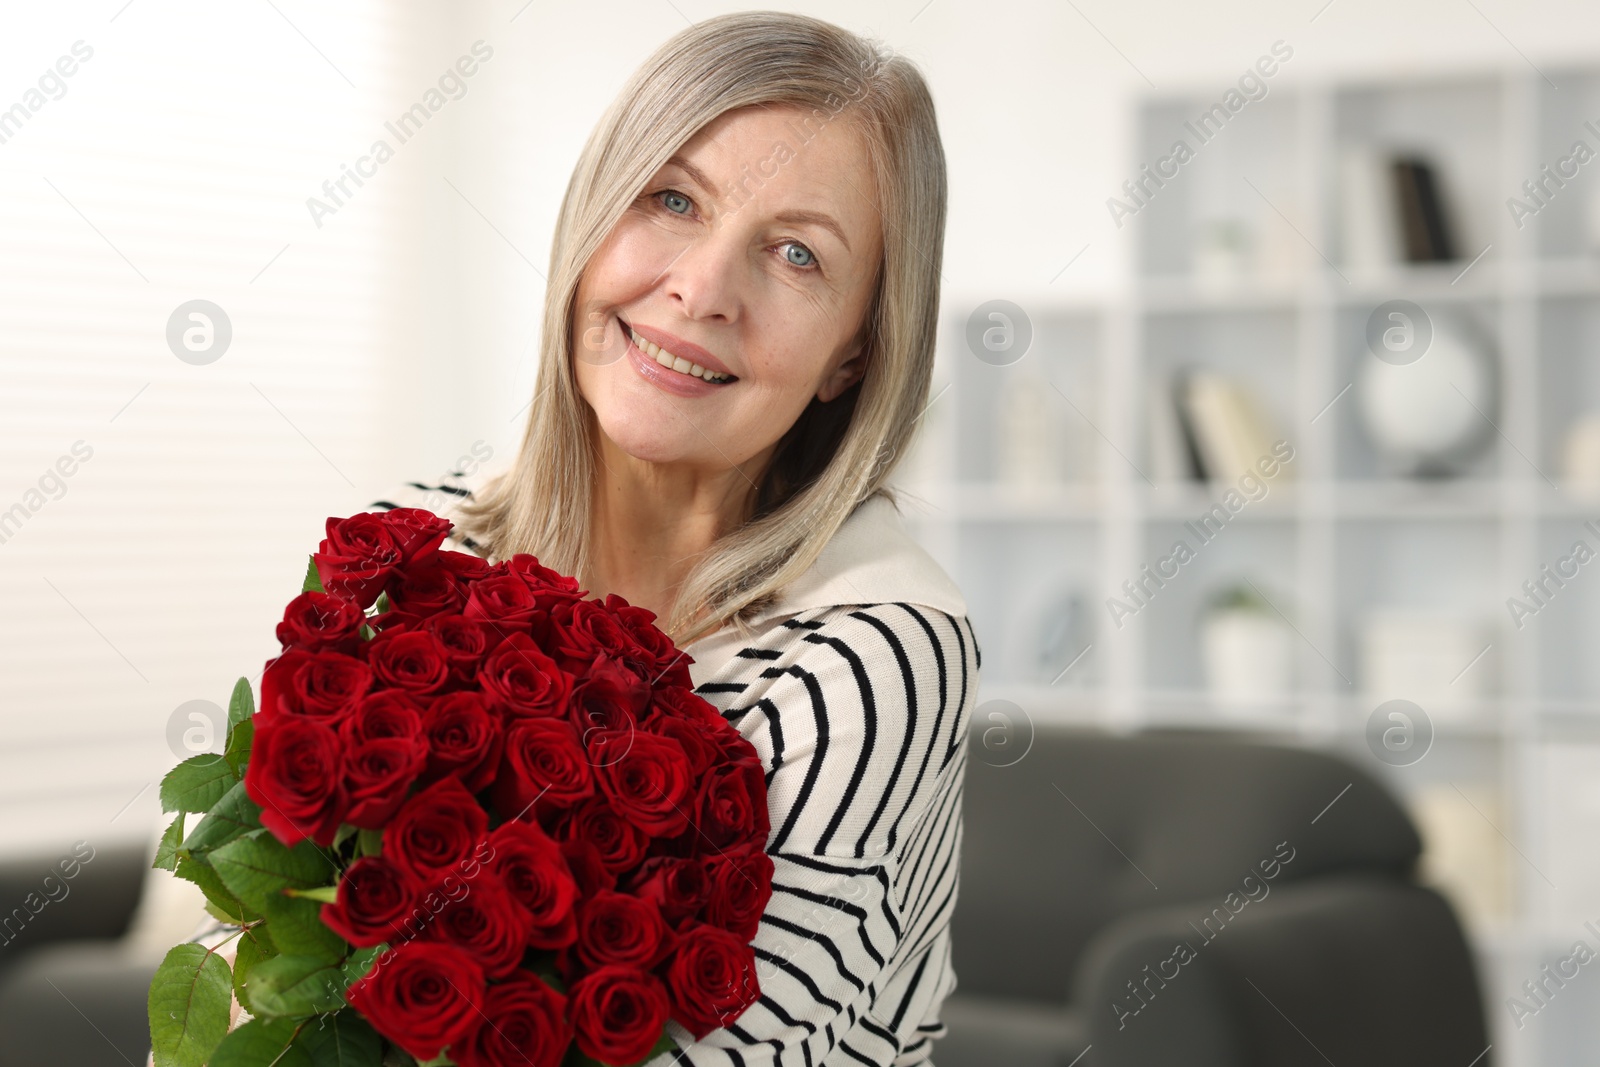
[(650, 523)]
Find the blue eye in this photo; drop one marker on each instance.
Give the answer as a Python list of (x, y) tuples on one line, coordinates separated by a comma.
[(668, 195), (804, 251)]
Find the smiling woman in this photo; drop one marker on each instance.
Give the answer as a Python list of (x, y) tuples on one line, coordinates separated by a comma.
[(738, 339)]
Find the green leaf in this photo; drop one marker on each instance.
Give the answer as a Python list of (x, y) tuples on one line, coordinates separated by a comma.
[(188, 1006), (298, 930), (343, 1039), (253, 947), (237, 751), (233, 815), (242, 704), (219, 901), (295, 986), (441, 1060), (265, 1041), (313, 582), (382, 604), (256, 867), (167, 848), (360, 962), (370, 842), (344, 833), (196, 783)]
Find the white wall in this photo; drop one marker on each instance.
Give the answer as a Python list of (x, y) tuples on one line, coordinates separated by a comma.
[(404, 329)]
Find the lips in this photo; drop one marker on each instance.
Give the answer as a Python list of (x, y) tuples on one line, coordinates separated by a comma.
[(678, 348)]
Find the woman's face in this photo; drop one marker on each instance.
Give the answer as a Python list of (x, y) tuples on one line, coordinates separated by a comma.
[(753, 254)]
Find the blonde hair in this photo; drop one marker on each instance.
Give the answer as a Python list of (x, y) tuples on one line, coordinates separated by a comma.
[(837, 454)]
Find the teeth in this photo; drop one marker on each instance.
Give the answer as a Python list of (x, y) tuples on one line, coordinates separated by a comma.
[(672, 362)]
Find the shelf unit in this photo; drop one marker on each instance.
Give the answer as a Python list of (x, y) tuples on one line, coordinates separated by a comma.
[(1038, 556)]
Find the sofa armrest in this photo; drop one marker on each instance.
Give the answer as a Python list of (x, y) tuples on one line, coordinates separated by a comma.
[(1354, 969), (82, 893)]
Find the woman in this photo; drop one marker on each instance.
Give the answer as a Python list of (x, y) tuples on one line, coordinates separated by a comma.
[(738, 340), (765, 202)]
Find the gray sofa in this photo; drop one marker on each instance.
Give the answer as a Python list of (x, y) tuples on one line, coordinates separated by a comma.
[(1128, 900), (69, 995)]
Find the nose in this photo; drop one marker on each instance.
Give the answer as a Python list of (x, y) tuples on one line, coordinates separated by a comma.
[(705, 277)]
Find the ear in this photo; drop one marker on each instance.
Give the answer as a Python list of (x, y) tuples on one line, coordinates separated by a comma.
[(845, 374)]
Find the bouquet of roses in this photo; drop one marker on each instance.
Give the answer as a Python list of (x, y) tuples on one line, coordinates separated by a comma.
[(478, 819)]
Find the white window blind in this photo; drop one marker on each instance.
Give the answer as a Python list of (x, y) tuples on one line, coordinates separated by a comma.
[(154, 511)]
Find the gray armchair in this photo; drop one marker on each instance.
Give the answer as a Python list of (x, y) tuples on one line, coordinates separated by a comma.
[(1198, 899), (69, 992)]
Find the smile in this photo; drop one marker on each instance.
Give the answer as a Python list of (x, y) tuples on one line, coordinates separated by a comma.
[(672, 362)]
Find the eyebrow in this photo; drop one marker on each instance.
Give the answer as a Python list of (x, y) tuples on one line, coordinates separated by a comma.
[(798, 217)]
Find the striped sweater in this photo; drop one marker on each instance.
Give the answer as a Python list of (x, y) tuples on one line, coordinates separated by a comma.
[(856, 688)]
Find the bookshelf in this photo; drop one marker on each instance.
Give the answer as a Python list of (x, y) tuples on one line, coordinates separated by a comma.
[(1509, 793)]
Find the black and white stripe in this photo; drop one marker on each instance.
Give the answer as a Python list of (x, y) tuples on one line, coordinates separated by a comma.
[(859, 714)]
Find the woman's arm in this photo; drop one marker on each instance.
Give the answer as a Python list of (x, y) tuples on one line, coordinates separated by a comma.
[(859, 715)]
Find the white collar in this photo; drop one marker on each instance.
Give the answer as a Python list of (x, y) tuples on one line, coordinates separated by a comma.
[(871, 559)]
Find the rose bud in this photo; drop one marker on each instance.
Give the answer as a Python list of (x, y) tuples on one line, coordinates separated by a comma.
[(294, 775), (524, 1025), (413, 660), (617, 1013), (463, 738), (374, 896), (621, 928), (422, 995), (535, 872), (316, 621), (711, 978), (435, 830), (485, 920), (357, 558), (740, 887)]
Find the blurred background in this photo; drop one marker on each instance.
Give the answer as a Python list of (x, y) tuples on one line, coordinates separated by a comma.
[(1268, 397)]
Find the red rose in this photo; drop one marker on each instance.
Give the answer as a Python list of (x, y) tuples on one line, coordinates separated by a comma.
[(681, 703), (620, 843), (733, 804), (536, 875), (555, 592), (588, 870), (386, 713), (617, 1013), (485, 921), (294, 775), (435, 830), (711, 978), (542, 761), (316, 621), (357, 557), (422, 995), (416, 532), (590, 631), (524, 1025), (464, 739), (621, 928), (465, 642), (609, 697), (377, 775), (374, 896), (426, 590), (647, 779), (524, 681), (411, 659), (740, 885), (653, 655), (319, 685), (696, 739), (505, 600), (679, 887), (464, 565)]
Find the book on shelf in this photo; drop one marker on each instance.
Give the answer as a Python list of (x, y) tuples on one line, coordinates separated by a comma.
[(1393, 209), (1205, 426)]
